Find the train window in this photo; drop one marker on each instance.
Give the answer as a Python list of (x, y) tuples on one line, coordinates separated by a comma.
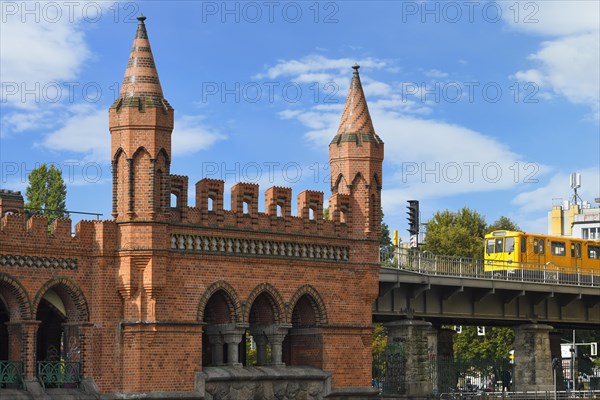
[(499, 245), (509, 246), (594, 252), (541, 246), (489, 246), (523, 245), (535, 246), (558, 248), (576, 250)]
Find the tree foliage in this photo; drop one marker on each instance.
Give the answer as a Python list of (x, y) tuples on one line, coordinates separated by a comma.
[(503, 224), (379, 339), (385, 240), (495, 344), (461, 234), (456, 233), (46, 192)]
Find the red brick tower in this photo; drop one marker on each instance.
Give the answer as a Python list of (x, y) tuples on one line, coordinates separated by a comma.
[(141, 122), (356, 156)]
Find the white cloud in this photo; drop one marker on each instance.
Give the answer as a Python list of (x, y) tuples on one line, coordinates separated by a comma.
[(84, 131), (39, 53), (568, 64), (552, 18), (558, 187), (437, 74), (191, 136), (316, 64)]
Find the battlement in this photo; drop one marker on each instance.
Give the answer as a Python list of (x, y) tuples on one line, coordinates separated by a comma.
[(34, 231), (210, 211)]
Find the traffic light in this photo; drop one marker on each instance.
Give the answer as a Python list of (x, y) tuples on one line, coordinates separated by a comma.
[(413, 217), (594, 349)]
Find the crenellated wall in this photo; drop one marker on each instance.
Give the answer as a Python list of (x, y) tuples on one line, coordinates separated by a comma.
[(142, 304)]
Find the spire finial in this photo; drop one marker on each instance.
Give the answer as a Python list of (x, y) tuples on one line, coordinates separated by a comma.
[(141, 77), (355, 117)]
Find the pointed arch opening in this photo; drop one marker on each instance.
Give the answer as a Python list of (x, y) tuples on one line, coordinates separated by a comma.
[(340, 186), (62, 309), (14, 307), (267, 329), (304, 342), (219, 323), (222, 335)]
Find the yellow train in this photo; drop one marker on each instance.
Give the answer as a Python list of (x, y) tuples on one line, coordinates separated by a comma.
[(509, 252)]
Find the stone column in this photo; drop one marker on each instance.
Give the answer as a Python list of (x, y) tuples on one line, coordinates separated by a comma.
[(261, 348), (215, 339), (276, 334), (233, 337), (533, 361), (410, 338)]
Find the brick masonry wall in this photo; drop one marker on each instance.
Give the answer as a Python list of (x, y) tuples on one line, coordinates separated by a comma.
[(134, 288)]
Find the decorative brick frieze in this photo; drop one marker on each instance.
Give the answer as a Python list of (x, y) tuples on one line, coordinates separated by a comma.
[(11, 260), (258, 248)]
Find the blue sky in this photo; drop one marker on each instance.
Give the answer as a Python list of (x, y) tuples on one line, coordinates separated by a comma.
[(488, 105)]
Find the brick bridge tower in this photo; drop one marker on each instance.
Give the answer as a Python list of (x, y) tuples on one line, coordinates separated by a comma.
[(141, 123), (356, 157)]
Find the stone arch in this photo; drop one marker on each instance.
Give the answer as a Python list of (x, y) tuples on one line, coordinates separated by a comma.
[(142, 193), (120, 152), (340, 180), (163, 153), (304, 343), (140, 151), (15, 298), (274, 298), (316, 301), (229, 294), (358, 178), (76, 305), (120, 177)]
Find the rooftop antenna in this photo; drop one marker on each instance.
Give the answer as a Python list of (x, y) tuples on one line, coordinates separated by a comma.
[(575, 180)]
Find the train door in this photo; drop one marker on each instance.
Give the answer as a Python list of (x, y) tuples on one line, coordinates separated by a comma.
[(575, 254), (539, 251)]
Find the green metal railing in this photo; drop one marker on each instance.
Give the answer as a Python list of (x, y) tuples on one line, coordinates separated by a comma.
[(59, 373), (11, 374)]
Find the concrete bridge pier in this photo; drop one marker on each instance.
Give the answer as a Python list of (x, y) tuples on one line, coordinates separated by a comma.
[(533, 360), (412, 336)]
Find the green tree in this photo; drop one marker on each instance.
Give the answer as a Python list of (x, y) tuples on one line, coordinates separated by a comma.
[(456, 233), (494, 345), (46, 192), (37, 189), (386, 240), (461, 233), (503, 224)]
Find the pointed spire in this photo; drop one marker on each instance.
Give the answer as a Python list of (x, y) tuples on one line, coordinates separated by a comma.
[(356, 123), (141, 77)]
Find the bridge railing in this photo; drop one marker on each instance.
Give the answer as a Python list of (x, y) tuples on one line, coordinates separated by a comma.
[(431, 264)]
